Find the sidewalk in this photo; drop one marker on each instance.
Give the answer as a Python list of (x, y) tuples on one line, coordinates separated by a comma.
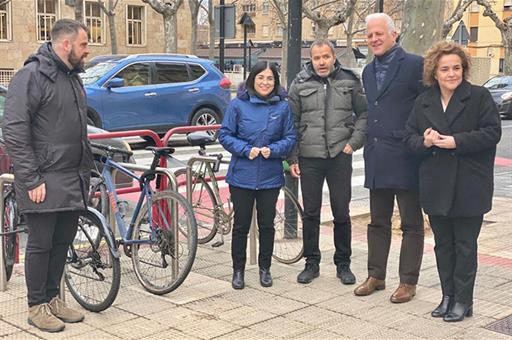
[(206, 307)]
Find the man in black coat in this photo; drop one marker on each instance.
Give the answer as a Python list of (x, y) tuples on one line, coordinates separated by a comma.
[(392, 81), (45, 130)]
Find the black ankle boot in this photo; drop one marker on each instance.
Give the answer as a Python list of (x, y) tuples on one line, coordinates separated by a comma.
[(238, 279), (265, 277), (443, 307), (457, 312)]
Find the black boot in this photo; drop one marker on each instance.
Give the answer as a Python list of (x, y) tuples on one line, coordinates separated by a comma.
[(238, 279), (443, 307), (311, 271), (457, 312), (265, 277), (344, 273)]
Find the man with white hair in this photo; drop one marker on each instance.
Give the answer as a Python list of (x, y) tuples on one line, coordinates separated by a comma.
[(392, 81)]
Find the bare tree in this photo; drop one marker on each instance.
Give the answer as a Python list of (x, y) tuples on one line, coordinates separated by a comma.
[(280, 14), (110, 11), (168, 9), (194, 6), (423, 24), (327, 13), (79, 10), (456, 15), (505, 27)]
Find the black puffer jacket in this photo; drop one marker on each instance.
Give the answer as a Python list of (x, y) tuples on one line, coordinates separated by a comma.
[(45, 130)]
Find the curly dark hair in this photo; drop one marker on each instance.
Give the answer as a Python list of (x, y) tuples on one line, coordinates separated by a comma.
[(435, 53)]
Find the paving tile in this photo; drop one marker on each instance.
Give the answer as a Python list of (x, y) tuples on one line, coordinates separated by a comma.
[(95, 334), (318, 334), (309, 295), (245, 333), (108, 317), (282, 327), (23, 335), (215, 304), (316, 316), (245, 316), (15, 306), (136, 328), (7, 329), (70, 331), (425, 328), (148, 305), (170, 334), (344, 305)]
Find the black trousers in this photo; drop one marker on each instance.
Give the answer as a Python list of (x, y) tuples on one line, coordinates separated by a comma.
[(382, 203), (456, 254), (49, 236), (338, 173), (243, 203)]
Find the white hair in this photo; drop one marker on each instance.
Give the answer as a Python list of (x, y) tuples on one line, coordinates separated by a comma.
[(382, 16)]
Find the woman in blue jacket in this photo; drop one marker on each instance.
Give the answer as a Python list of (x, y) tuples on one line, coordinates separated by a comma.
[(258, 131)]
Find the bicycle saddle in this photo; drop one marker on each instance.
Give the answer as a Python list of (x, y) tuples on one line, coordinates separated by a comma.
[(161, 151), (199, 138)]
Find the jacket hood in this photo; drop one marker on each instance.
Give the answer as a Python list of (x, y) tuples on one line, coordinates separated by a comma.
[(243, 93), (49, 62)]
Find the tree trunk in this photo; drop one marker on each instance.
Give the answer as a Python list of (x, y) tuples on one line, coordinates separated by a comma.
[(507, 45), (347, 57), (79, 10), (194, 10), (112, 31), (284, 57), (211, 23), (170, 33), (322, 31), (423, 24)]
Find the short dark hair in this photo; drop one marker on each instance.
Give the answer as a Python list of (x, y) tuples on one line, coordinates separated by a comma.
[(323, 42), (260, 67), (66, 27)]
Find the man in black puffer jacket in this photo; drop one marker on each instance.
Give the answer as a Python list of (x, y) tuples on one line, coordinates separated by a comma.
[(45, 130)]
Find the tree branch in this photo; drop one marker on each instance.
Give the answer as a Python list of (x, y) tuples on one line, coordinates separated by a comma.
[(457, 14), (488, 12)]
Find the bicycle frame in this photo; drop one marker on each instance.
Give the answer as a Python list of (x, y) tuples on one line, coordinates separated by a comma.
[(146, 192)]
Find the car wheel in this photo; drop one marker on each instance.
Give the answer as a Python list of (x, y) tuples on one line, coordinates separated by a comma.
[(94, 119), (205, 116)]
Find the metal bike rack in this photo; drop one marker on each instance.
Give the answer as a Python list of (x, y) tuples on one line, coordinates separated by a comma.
[(5, 178)]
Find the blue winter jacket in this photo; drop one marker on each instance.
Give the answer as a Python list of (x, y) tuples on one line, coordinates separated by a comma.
[(252, 122)]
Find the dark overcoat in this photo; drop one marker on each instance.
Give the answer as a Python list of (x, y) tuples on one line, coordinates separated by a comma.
[(388, 163), (456, 182), (45, 131)]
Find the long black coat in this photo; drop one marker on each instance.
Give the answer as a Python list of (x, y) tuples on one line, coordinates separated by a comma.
[(457, 182), (387, 162), (45, 130)]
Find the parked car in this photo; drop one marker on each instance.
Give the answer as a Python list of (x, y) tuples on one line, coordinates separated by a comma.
[(154, 91), (501, 91), (5, 161)]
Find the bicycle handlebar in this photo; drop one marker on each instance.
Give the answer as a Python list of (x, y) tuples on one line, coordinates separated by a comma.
[(111, 149)]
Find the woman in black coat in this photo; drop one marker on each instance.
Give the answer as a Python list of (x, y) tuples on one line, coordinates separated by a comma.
[(455, 127)]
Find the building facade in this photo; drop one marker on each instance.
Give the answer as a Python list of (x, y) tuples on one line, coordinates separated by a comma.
[(26, 24)]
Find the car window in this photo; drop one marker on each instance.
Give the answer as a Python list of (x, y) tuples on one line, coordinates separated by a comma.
[(93, 73), (135, 74), (498, 83), (170, 73), (197, 71), (2, 105)]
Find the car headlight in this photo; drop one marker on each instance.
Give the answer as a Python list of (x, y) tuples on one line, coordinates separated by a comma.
[(506, 96)]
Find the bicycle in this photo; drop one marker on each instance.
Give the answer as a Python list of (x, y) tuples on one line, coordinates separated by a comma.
[(161, 238), (10, 230), (214, 215)]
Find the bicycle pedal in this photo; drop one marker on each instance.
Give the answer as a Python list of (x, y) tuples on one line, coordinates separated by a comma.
[(217, 244)]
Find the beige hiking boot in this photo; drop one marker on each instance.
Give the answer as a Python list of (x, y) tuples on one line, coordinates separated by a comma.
[(63, 312), (41, 317)]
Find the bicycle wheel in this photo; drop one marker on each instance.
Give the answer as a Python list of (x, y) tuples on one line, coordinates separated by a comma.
[(164, 251), (11, 219), (204, 204), (92, 274), (288, 246), (98, 196)]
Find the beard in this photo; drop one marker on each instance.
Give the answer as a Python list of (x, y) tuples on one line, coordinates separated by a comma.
[(77, 61)]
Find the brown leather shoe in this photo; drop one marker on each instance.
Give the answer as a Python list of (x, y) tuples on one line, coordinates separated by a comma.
[(404, 293), (370, 285)]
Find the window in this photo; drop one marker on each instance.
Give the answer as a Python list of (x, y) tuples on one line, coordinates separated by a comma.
[(313, 27), (46, 17), (507, 4), (171, 73), (251, 29), (5, 21), (249, 8), (197, 71), (265, 31), (135, 75), (265, 8), (473, 34), (135, 32), (94, 21), (278, 31)]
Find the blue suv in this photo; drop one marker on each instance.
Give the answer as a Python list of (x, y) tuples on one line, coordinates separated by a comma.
[(154, 91)]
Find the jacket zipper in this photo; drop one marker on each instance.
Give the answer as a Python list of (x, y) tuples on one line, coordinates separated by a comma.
[(326, 102)]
